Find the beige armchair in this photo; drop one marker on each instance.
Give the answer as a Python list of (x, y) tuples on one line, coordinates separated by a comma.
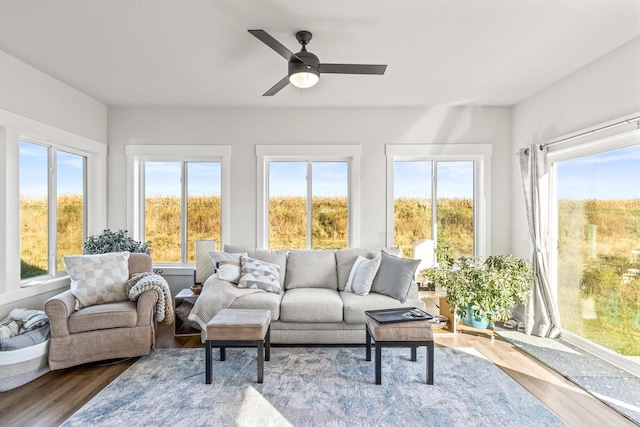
[(105, 331)]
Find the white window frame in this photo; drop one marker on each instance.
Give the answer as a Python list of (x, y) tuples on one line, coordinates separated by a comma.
[(307, 153), (480, 154), (137, 155), (13, 129), (52, 197), (613, 140)]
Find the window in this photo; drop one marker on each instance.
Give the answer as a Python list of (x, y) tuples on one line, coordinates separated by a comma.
[(181, 205), (308, 205), (49, 230), (597, 258), (416, 216), (433, 195), (179, 196), (308, 196)]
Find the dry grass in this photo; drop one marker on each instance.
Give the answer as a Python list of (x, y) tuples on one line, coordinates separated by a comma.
[(591, 267)]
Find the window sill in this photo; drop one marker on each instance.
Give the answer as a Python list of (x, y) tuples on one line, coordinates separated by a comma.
[(174, 269), (35, 289)]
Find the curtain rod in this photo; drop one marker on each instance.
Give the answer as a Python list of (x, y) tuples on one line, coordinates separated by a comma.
[(622, 122)]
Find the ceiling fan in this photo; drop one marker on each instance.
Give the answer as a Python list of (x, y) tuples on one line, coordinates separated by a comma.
[(305, 67)]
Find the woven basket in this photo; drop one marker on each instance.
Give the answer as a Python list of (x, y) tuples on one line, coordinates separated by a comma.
[(18, 367)]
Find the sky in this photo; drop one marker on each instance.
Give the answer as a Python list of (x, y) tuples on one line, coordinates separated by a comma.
[(610, 175)]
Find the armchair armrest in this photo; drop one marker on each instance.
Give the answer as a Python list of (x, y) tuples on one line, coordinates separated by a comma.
[(146, 307), (59, 308)]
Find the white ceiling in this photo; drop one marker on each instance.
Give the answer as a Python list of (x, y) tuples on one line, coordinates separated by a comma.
[(199, 53)]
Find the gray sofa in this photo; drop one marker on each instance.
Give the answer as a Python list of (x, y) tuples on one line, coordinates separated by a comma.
[(314, 308)]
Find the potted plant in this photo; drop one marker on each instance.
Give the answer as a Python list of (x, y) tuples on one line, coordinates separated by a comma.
[(114, 241), (483, 292)]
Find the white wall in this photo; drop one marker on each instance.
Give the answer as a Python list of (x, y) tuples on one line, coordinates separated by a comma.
[(606, 89), (370, 127), (35, 95), (36, 104)]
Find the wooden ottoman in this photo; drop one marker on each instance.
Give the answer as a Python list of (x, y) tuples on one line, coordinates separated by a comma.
[(403, 334), (231, 327)]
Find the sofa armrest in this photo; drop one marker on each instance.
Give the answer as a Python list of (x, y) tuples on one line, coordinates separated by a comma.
[(59, 308), (146, 307), (413, 291)]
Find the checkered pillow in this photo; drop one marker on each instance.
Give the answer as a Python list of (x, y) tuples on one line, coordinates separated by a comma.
[(97, 279), (258, 274)]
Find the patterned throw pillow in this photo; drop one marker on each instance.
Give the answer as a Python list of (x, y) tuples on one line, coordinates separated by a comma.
[(97, 279), (258, 274), (362, 274), (228, 265)]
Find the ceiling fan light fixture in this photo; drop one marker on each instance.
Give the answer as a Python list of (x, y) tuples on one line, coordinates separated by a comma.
[(304, 76)]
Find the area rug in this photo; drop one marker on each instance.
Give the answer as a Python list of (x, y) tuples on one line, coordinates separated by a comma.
[(614, 386), (307, 386)]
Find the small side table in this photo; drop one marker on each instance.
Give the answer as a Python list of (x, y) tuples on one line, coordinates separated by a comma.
[(412, 334), (182, 329)]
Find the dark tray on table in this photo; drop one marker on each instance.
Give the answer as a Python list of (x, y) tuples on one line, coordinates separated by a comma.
[(395, 315)]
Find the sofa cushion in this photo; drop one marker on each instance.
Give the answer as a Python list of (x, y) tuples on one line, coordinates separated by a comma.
[(97, 279), (311, 305), (278, 257), (311, 269), (258, 274), (395, 276), (104, 316), (260, 300), (355, 305)]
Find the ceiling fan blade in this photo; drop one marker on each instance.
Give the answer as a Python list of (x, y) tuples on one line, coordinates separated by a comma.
[(277, 87), (352, 69), (274, 44)]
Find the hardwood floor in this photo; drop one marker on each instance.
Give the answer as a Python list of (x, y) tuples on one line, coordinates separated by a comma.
[(52, 398)]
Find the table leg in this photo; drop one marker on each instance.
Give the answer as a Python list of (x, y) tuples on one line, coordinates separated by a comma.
[(223, 353), (368, 351), (207, 362), (267, 345), (429, 354), (378, 363), (414, 353), (260, 360)]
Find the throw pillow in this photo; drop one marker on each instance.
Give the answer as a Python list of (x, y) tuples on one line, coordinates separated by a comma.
[(228, 265), (258, 274), (394, 276), (97, 279), (362, 274)]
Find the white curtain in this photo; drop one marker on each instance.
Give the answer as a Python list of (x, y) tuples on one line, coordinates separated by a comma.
[(541, 317)]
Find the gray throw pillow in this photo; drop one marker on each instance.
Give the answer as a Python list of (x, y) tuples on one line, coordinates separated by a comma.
[(394, 276)]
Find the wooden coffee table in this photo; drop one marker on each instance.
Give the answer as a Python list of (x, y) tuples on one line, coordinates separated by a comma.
[(412, 334)]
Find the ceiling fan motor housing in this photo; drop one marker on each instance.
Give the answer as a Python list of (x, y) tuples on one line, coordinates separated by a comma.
[(310, 63)]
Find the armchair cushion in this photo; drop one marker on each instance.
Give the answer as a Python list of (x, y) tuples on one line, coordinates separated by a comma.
[(98, 279), (104, 316)]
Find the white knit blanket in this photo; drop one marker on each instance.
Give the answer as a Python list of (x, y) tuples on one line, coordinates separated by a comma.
[(141, 282), (216, 295)]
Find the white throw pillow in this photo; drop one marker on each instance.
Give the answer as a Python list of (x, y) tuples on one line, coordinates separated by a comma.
[(228, 265), (97, 279), (258, 274), (362, 274)]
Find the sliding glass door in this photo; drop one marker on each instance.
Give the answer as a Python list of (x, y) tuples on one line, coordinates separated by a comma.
[(598, 247)]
